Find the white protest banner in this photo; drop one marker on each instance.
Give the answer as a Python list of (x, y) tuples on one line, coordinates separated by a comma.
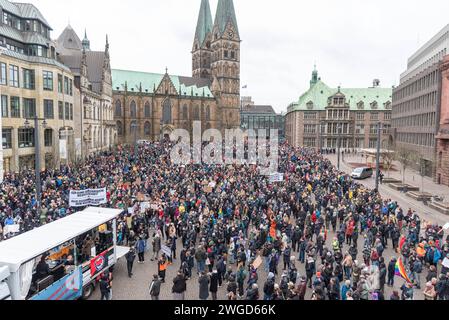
[(446, 226), (144, 206), (88, 197), (11, 228), (276, 177), (166, 250), (445, 263), (63, 149)]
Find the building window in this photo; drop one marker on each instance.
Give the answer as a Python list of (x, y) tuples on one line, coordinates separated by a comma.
[(119, 128), (147, 128), (29, 108), (7, 138), (3, 77), (48, 80), (118, 108), (374, 116), (48, 137), (66, 85), (15, 107), (226, 53), (48, 109), (166, 112), (196, 113), (67, 111), (60, 83), (372, 143), (147, 110), (4, 103), (71, 111), (310, 115), (133, 109), (387, 116), (232, 55), (13, 76), (60, 110), (71, 87), (185, 114), (28, 79), (26, 137), (208, 113), (360, 116)]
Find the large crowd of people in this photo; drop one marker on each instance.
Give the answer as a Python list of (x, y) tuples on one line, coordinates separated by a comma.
[(229, 226)]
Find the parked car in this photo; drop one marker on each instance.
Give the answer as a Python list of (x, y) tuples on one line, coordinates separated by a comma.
[(362, 173)]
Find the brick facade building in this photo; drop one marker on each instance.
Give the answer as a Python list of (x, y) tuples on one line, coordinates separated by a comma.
[(442, 170)]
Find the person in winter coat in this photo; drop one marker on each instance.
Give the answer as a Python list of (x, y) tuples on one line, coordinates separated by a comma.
[(310, 270), (268, 288), (253, 293), (214, 284), (302, 288), (204, 286), (156, 242), (391, 271), (345, 289), (155, 287), (232, 288), (429, 292), (179, 286), (130, 257), (105, 287), (140, 248)]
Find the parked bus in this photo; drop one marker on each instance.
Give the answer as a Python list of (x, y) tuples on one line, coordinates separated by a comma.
[(62, 260)]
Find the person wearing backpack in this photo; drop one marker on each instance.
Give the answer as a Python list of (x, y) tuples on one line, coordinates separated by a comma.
[(130, 257), (155, 287)]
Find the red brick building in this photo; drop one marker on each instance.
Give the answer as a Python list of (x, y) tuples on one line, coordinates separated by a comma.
[(443, 134)]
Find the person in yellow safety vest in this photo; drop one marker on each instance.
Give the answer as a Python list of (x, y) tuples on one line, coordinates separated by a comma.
[(336, 245)]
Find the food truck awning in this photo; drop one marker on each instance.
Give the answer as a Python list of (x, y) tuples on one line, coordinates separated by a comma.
[(18, 250)]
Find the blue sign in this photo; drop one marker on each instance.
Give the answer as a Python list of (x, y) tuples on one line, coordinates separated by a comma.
[(68, 288)]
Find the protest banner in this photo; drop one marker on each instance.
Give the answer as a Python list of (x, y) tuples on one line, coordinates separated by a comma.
[(166, 250), (88, 197), (276, 177)]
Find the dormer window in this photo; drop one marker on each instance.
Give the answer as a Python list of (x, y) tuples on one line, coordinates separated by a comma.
[(360, 105), (374, 105), (388, 105), (310, 105)]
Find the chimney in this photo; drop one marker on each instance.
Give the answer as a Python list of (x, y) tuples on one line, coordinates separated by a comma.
[(376, 83)]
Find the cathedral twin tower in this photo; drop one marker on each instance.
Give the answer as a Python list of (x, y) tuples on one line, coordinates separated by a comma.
[(216, 56)]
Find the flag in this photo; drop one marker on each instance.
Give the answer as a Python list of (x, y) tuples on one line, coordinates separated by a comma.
[(401, 242), (98, 263), (400, 271)]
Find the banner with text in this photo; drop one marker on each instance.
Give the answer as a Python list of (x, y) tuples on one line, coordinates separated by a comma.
[(89, 197)]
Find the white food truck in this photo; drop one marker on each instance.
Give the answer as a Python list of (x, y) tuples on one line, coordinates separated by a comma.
[(62, 260)]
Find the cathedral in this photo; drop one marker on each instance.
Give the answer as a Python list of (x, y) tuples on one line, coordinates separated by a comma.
[(149, 106)]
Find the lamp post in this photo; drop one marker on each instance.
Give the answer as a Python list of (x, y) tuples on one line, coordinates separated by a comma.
[(339, 129), (379, 128), (322, 131), (37, 156)]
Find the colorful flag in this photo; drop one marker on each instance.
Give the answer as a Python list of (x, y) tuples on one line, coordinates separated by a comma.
[(401, 242), (400, 271), (98, 263)]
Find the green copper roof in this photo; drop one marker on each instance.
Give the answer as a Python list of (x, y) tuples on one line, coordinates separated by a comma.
[(204, 24), (150, 81), (226, 13), (319, 93)]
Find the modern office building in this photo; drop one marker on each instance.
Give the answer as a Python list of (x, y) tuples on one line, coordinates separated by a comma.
[(262, 117), (417, 103), (323, 114), (33, 83)]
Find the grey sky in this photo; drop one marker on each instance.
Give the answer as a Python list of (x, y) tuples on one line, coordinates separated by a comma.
[(352, 41)]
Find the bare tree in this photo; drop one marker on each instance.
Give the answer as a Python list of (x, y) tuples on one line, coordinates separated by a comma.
[(388, 159), (407, 159)]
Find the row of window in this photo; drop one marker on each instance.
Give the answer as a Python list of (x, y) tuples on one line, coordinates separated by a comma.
[(420, 139), (65, 84), (167, 110), (427, 101), (10, 108), (25, 24), (133, 128), (25, 138), (422, 120)]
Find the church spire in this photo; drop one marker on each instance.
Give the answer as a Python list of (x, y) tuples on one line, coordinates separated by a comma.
[(204, 24), (314, 76), (225, 14), (85, 43)]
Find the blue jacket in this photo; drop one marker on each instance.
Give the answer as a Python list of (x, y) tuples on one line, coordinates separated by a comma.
[(140, 246)]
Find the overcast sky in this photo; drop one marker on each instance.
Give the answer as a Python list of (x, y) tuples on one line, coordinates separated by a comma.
[(351, 41)]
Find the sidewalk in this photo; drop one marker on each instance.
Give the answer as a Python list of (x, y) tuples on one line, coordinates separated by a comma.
[(412, 177)]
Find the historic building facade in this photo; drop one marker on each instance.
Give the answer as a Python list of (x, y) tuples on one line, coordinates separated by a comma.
[(149, 106), (417, 103), (95, 128), (33, 83), (324, 114), (442, 170)]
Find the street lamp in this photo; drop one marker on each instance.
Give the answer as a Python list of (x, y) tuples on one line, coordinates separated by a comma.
[(379, 128), (339, 130), (322, 131), (37, 157)]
